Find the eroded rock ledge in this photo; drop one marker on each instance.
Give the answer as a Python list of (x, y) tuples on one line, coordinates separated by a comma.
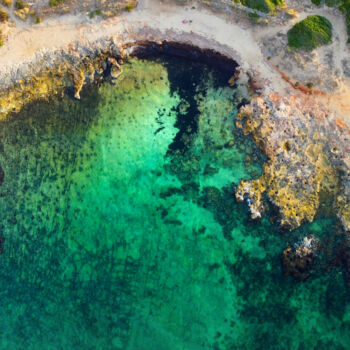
[(52, 72), (308, 166)]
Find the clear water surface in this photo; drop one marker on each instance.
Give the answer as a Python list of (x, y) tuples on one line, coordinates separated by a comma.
[(122, 232)]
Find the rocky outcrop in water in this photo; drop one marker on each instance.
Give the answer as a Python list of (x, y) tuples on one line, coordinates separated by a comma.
[(297, 261), (308, 159)]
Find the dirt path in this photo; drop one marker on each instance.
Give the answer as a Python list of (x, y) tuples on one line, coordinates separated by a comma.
[(339, 101), (23, 43)]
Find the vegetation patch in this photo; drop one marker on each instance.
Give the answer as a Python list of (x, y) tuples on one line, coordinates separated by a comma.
[(92, 14), (331, 3), (37, 19), (129, 7), (53, 3), (343, 5), (268, 6), (310, 33), (254, 17), (19, 5), (3, 16), (6, 3)]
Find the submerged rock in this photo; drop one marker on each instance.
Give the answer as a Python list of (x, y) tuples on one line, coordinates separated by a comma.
[(343, 257), (116, 69), (297, 262), (2, 175), (2, 242), (115, 72)]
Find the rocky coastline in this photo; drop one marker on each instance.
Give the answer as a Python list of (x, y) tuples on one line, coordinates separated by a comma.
[(306, 145), (49, 73)]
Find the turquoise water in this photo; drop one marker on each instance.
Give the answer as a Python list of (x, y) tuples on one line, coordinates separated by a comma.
[(122, 230)]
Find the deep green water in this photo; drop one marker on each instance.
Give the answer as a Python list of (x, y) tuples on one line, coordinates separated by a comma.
[(122, 231)]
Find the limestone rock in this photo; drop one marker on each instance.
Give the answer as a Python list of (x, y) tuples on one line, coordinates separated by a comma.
[(307, 159), (79, 79), (115, 72)]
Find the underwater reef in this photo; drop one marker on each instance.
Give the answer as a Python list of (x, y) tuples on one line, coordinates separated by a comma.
[(120, 228), (157, 193)]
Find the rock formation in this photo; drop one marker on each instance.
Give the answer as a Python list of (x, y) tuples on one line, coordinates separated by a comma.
[(297, 261), (308, 159)]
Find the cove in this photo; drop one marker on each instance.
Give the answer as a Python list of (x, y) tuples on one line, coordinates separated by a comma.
[(122, 230)]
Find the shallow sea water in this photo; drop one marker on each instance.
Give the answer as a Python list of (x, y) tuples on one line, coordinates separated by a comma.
[(122, 231)]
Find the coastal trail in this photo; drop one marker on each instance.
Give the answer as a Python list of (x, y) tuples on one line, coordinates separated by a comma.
[(57, 33)]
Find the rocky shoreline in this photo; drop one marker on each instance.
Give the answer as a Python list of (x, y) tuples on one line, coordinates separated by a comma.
[(306, 145)]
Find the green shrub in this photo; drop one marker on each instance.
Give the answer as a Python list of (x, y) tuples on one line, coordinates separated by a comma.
[(253, 16), (6, 3), (331, 3), (53, 3), (344, 6), (129, 7), (3, 16), (19, 5), (268, 6), (92, 14), (310, 33)]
